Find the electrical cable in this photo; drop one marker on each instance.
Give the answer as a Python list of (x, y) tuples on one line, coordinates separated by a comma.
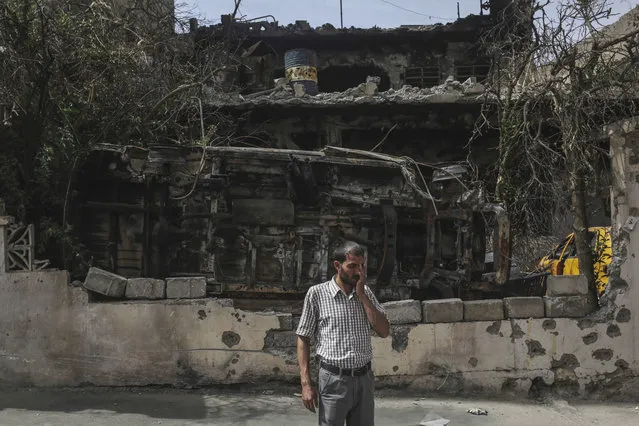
[(415, 12)]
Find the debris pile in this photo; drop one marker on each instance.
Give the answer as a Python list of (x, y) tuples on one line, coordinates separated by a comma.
[(366, 93)]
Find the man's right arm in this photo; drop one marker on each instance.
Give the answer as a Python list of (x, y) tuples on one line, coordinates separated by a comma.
[(305, 330), (303, 357), (309, 394)]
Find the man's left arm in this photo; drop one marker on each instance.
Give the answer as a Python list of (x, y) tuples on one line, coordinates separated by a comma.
[(374, 312)]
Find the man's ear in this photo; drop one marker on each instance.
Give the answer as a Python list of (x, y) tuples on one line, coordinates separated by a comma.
[(336, 264)]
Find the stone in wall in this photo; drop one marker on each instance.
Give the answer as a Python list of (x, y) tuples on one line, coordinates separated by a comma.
[(484, 310), (106, 283), (568, 306), (403, 311), (566, 285), (442, 310), (185, 287), (524, 307), (145, 288)]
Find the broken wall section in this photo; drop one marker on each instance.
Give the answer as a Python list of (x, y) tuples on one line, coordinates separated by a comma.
[(622, 295)]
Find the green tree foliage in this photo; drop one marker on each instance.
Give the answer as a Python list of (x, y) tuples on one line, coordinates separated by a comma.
[(74, 73)]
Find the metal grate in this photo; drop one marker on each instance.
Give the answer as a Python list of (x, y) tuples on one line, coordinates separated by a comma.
[(464, 72), (422, 76)]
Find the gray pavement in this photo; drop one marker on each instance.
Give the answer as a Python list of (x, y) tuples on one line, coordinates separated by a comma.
[(168, 407)]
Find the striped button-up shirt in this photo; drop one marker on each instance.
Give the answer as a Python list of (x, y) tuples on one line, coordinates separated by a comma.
[(339, 325)]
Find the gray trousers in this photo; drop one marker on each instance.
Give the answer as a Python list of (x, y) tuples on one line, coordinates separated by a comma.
[(346, 399)]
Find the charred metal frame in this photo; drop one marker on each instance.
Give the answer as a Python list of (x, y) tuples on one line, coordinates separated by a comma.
[(266, 220)]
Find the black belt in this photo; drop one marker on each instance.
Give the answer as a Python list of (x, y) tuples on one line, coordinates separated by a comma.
[(346, 371)]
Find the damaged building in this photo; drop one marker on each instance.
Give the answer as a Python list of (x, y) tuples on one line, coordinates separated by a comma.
[(266, 220), (259, 219), (416, 55), (354, 85), (375, 152)]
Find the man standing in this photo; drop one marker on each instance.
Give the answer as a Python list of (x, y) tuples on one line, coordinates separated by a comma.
[(339, 314)]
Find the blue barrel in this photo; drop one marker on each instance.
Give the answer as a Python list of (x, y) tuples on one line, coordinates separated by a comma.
[(301, 67)]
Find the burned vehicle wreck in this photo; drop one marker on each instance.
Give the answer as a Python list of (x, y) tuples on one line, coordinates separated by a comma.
[(265, 221)]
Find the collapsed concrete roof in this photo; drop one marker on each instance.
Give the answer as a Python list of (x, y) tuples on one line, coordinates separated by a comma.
[(452, 91)]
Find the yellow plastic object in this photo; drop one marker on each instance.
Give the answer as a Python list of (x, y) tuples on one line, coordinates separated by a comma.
[(563, 259)]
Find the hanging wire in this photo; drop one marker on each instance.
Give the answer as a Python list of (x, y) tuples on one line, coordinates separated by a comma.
[(415, 12)]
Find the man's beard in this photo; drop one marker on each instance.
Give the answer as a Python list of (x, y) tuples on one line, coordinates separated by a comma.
[(350, 281)]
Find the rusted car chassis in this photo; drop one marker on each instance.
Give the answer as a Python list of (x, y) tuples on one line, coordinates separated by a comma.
[(266, 221)]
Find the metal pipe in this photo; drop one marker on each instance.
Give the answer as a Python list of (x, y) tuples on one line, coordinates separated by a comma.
[(260, 17), (501, 242), (341, 14)]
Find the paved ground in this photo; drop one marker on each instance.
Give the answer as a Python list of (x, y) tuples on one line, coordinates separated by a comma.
[(80, 407)]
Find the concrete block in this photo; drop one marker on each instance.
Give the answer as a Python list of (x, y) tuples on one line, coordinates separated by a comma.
[(106, 283), (566, 285), (403, 311), (484, 310), (524, 307), (185, 287), (442, 310), (568, 306), (370, 89), (474, 89), (145, 288), (299, 90)]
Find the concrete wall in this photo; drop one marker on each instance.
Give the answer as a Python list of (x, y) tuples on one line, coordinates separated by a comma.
[(52, 336)]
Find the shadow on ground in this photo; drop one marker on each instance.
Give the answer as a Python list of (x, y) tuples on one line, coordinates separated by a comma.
[(166, 405), (228, 406)]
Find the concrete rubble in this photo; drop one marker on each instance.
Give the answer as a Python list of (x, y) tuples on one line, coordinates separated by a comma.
[(452, 91)]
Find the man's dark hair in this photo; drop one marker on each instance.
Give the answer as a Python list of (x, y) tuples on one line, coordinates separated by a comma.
[(342, 251)]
